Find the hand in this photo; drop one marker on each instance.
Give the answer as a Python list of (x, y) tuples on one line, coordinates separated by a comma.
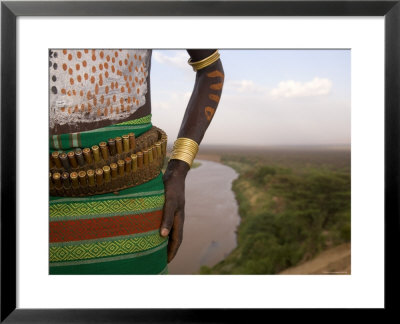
[(174, 206)]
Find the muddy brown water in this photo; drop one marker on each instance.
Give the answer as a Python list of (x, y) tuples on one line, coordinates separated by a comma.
[(211, 218)]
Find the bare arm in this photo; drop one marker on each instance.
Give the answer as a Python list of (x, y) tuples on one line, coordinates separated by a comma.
[(198, 115)]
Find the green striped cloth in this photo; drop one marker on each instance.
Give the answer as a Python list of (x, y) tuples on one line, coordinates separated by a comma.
[(69, 141), (109, 233)]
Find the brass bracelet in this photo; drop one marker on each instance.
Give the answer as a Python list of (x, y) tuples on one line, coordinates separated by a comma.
[(185, 149), (204, 62)]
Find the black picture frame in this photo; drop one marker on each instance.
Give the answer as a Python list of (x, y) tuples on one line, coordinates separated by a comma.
[(11, 10)]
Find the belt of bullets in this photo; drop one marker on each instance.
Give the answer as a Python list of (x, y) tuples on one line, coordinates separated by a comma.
[(117, 164)]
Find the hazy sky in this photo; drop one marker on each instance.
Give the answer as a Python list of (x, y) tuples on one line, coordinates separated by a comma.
[(270, 97)]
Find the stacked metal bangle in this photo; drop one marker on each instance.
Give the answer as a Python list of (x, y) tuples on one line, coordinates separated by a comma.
[(198, 65), (185, 149), (117, 164)]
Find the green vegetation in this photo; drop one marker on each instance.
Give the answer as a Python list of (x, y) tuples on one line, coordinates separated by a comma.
[(292, 206)]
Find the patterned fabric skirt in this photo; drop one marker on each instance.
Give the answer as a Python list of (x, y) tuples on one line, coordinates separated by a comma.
[(109, 233)]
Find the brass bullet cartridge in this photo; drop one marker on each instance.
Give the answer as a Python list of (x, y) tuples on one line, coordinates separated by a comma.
[(150, 152), (58, 184), (57, 180), (51, 184), (158, 147), (164, 146), (82, 179), (90, 175), (128, 165), (99, 178), (134, 158), (125, 139), (79, 157), (121, 167), (65, 180), (118, 144), (51, 162), (114, 170), (104, 150), (74, 182), (88, 155), (132, 142), (56, 158), (91, 181), (140, 159), (107, 177), (72, 159), (52, 188), (134, 162), (145, 157), (64, 160), (114, 175), (96, 154), (112, 145), (154, 152), (107, 173)]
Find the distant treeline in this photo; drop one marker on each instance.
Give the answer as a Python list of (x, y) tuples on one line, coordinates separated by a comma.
[(288, 214)]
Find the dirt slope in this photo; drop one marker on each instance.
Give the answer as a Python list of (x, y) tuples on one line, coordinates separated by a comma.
[(336, 260)]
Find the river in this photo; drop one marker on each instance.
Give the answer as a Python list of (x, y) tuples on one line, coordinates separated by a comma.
[(211, 218)]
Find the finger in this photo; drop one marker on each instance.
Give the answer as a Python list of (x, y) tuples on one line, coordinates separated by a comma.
[(168, 217), (176, 235)]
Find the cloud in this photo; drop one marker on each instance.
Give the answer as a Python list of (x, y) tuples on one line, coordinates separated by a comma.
[(245, 86), (285, 89), (179, 59), (294, 89)]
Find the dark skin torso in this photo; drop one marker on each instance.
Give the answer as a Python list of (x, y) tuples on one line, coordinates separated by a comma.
[(198, 115)]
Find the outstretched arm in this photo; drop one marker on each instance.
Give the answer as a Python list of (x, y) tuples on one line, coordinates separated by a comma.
[(198, 115)]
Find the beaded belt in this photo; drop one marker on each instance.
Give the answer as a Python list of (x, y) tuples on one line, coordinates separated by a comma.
[(117, 164)]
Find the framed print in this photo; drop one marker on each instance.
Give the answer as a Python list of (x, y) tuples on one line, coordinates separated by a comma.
[(363, 36)]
